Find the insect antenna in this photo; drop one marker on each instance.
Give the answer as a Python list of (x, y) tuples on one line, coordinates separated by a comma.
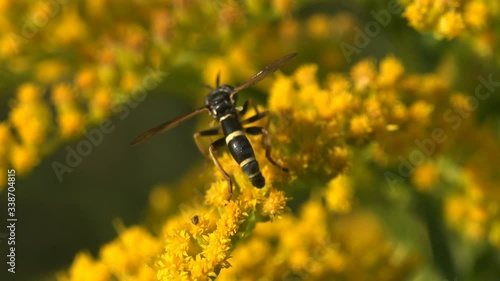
[(217, 79)]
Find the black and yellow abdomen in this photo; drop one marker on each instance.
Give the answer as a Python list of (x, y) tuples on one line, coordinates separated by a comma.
[(241, 150)]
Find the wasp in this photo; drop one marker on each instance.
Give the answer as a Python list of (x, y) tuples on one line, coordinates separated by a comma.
[(220, 103)]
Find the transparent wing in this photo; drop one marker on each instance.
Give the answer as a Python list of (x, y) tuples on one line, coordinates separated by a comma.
[(264, 72), (166, 126)]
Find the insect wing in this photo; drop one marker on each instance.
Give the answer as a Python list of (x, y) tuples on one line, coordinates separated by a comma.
[(265, 72), (166, 126)]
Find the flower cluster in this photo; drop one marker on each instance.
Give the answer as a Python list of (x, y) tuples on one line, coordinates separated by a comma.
[(474, 22), (123, 259), (448, 18)]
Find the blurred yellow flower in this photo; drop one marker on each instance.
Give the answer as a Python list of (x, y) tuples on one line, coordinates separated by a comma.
[(70, 28), (100, 104), (85, 268), (360, 126), (390, 70), (85, 78), (50, 71), (63, 96), (338, 195), (125, 256), (23, 158), (451, 24), (281, 95), (363, 74), (425, 176), (5, 139), (71, 123), (420, 112), (476, 14), (318, 26)]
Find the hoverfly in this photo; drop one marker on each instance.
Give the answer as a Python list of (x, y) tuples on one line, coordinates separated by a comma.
[(221, 105)]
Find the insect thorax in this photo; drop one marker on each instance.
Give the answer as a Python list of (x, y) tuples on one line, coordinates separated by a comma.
[(219, 102)]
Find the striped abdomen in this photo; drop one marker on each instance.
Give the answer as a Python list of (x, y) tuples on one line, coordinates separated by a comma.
[(241, 150)]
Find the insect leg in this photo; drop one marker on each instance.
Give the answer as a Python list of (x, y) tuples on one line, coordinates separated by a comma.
[(254, 118), (244, 108), (216, 144), (254, 130), (210, 132)]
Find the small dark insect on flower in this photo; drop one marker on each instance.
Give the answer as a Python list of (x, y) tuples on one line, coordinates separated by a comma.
[(195, 219), (220, 103)]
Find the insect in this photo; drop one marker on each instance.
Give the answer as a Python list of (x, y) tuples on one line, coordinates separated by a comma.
[(195, 219), (220, 103)]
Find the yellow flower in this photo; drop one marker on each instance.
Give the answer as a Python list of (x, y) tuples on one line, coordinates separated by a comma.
[(363, 74), (100, 104), (306, 75), (230, 220), (425, 176), (289, 29), (283, 6), (126, 255), (399, 113), (451, 25), (420, 112), (31, 123), (298, 259), (390, 70), (281, 94), (160, 199), (71, 28), (5, 139), (71, 124), (28, 93), (415, 14), (130, 81), (85, 78), (23, 158), (360, 126), (50, 71), (63, 96), (84, 268), (217, 194), (30, 116), (455, 209), (274, 205), (318, 26), (338, 195), (476, 14)]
